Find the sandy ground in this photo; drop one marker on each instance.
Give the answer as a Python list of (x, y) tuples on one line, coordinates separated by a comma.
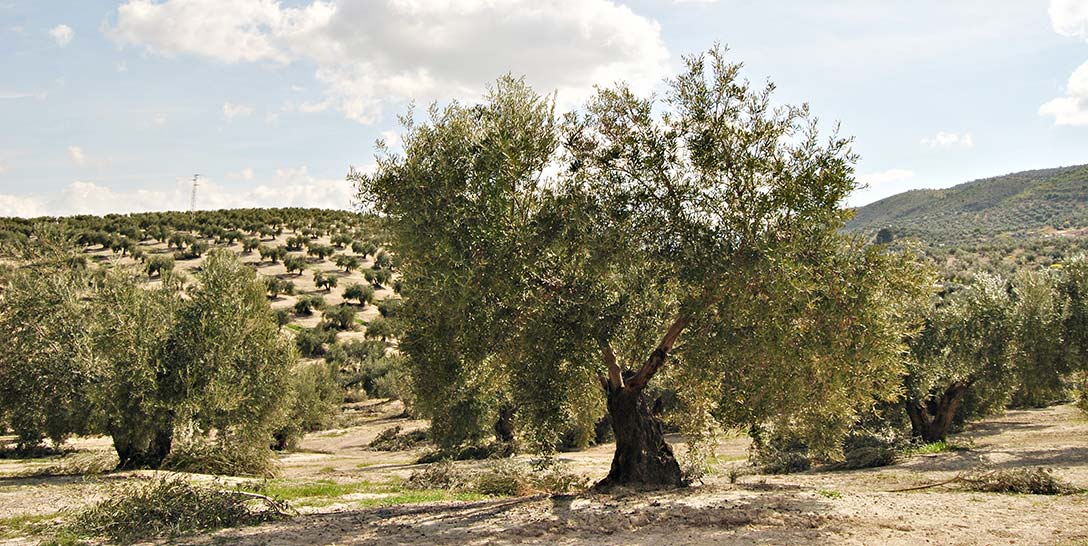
[(854, 507)]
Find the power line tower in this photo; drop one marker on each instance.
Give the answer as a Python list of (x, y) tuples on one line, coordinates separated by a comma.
[(192, 199)]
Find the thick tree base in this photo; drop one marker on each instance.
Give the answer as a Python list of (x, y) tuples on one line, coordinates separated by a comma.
[(149, 455), (643, 458)]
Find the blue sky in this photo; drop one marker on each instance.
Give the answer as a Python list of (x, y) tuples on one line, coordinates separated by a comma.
[(109, 106)]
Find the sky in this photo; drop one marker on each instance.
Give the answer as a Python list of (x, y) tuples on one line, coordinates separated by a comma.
[(113, 106)]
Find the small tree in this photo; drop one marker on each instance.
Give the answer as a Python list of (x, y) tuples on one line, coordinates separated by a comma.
[(306, 305), (294, 263), (341, 317), (160, 265), (363, 294), (380, 328), (230, 364), (349, 263)]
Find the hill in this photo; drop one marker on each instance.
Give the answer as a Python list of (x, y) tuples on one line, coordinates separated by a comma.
[(1017, 204)]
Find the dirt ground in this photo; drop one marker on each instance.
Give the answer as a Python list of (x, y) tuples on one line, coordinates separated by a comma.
[(853, 507)]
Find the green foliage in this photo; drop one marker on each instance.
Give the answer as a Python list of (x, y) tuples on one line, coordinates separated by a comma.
[(305, 305), (390, 307), (232, 364), (315, 398), (164, 507), (1039, 353), (275, 286), (341, 317), (160, 265), (45, 360), (313, 342), (294, 263), (613, 226), (961, 366), (363, 294), (381, 328)]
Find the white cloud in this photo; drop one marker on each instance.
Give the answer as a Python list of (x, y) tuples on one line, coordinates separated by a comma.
[(881, 184), (291, 187), (159, 120), (231, 110), (120, 66), (62, 34), (77, 155), (4, 168), (244, 174), (368, 53), (1070, 18), (949, 140), (271, 118), (14, 95)]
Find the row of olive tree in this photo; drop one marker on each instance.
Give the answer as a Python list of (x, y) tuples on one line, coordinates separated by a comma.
[(91, 353), (993, 343)]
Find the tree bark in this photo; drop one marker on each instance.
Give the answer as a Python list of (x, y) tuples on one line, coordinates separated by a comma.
[(931, 419), (643, 457), (142, 452)]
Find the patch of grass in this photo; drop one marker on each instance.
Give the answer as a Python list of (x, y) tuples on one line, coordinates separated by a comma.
[(296, 328), (416, 497), (327, 470), (26, 524), (830, 494), (290, 491), (940, 446)]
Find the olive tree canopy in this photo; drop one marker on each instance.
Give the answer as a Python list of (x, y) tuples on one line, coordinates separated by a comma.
[(695, 235)]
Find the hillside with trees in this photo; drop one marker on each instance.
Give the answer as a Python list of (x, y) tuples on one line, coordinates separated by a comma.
[(1019, 205)]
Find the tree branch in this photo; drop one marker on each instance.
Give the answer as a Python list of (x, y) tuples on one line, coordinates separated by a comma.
[(615, 374), (657, 358)]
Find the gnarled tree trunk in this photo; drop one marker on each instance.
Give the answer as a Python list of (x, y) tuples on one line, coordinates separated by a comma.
[(643, 457), (140, 451), (931, 419)]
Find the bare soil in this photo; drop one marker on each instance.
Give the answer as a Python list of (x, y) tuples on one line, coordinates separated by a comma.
[(852, 507)]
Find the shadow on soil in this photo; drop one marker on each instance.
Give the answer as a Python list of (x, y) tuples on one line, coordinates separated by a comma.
[(630, 519)]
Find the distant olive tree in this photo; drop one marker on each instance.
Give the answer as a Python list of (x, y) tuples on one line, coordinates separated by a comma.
[(961, 355)]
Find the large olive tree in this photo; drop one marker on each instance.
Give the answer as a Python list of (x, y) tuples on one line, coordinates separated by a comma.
[(695, 235)]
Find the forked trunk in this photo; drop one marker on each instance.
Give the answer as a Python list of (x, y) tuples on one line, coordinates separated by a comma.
[(930, 420), (643, 458)]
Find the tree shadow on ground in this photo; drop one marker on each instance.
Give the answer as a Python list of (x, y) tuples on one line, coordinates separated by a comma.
[(637, 518)]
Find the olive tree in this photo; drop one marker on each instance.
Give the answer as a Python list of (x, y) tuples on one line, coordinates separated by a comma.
[(963, 349), (132, 327), (45, 358), (229, 363), (693, 236)]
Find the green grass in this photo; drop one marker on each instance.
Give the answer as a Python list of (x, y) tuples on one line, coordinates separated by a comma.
[(830, 494), (295, 328), (939, 446), (23, 525), (326, 492), (426, 495)]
